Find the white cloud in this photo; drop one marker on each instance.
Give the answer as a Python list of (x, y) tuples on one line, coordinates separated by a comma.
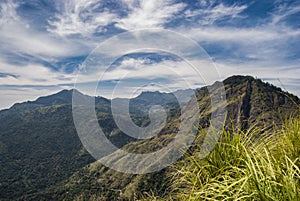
[(81, 17), (39, 45), (231, 34), (84, 18), (30, 82), (264, 42), (265, 45), (17, 37), (8, 13), (149, 14), (267, 40), (132, 62), (283, 12), (168, 71), (33, 74), (212, 13)]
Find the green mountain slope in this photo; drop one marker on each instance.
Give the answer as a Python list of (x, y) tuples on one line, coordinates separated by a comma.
[(42, 157), (39, 149), (39, 145)]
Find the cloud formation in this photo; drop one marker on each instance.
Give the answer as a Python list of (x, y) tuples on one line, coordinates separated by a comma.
[(81, 17), (211, 12), (149, 14), (256, 38)]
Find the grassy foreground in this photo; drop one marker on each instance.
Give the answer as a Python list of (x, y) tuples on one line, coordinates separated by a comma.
[(243, 166)]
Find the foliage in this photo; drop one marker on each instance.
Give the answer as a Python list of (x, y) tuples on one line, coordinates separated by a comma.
[(244, 166), (42, 157)]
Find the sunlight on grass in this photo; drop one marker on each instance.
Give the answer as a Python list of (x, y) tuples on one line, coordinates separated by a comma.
[(243, 166)]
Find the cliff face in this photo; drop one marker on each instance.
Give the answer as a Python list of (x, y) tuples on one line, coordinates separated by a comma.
[(252, 102)]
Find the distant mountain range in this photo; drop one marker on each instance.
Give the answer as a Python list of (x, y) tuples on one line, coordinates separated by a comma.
[(42, 157)]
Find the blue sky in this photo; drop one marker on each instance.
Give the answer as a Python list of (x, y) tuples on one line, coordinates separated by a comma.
[(44, 42)]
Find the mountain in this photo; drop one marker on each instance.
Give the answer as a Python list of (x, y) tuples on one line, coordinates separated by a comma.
[(39, 148), (39, 145), (251, 102), (42, 157)]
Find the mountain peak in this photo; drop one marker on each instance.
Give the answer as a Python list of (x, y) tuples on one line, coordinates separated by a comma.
[(61, 97), (236, 79)]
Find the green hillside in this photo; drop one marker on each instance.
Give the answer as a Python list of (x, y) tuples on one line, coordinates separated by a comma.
[(42, 157)]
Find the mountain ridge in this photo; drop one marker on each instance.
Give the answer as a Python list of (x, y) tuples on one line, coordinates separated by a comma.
[(43, 157), (65, 96)]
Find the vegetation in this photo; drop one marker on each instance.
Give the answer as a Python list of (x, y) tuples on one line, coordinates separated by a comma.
[(243, 166), (42, 157)]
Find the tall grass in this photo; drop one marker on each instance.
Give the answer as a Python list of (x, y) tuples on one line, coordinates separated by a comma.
[(243, 166)]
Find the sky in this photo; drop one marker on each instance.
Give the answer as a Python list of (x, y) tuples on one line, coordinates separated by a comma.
[(48, 45)]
